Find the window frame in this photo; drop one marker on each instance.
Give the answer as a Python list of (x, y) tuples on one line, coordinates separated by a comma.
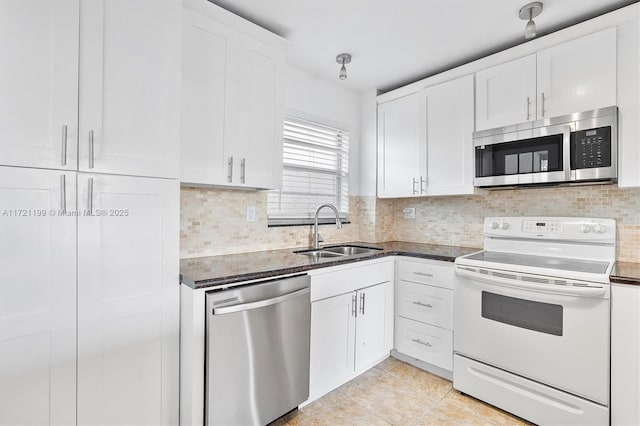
[(342, 151)]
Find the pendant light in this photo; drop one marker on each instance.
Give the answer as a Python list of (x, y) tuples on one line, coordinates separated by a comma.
[(527, 13), (343, 58)]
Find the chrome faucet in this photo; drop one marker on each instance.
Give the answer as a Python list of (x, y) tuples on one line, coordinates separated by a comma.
[(316, 236)]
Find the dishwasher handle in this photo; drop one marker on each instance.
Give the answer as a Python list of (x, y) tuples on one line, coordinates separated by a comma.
[(260, 303)]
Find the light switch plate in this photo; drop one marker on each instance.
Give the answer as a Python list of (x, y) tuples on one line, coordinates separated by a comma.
[(409, 213), (251, 213)]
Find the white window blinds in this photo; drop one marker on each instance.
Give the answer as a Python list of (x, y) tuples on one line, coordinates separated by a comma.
[(315, 172)]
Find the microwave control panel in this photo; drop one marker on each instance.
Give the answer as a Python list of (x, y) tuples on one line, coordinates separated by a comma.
[(591, 148)]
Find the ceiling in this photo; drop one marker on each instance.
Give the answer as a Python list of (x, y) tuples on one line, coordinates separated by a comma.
[(394, 42)]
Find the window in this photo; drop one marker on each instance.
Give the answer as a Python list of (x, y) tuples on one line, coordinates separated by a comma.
[(315, 172)]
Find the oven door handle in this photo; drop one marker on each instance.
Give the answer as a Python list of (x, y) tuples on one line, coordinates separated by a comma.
[(580, 291)]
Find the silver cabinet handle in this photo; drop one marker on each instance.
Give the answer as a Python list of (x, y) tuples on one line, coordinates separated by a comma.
[(91, 143), (90, 195), (528, 108), (63, 193), (260, 303), (415, 190), (362, 297), (426, 305), (422, 181), (230, 167), (542, 106), (242, 169), (420, 342), (354, 311), (64, 145), (423, 274)]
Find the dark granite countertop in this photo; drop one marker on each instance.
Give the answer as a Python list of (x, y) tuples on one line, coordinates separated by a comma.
[(625, 273), (223, 270)]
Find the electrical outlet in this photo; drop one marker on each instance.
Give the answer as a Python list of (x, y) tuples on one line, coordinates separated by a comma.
[(251, 214), (409, 213)]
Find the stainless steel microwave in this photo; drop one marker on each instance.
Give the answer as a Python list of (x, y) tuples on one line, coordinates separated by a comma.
[(580, 147)]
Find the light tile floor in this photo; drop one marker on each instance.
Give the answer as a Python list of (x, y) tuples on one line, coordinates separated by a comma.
[(394, 392)]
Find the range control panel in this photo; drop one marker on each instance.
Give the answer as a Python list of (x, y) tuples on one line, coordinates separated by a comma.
[(553, 228), (541, 226)]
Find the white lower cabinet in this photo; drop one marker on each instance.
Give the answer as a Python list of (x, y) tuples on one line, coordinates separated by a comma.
[(424, 311), (37, 298), (89, 304), (351, 323), (128, 301), (625, 354), (425, 342)]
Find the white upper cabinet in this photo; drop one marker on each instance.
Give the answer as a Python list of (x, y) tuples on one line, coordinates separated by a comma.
[(506, 93), (399, 147), (448, 108), (205, 46), (232, 101), (94, 79), (129, 87), (39, 83), (424, 142), (579, 75), (37, 297), (263, 117)]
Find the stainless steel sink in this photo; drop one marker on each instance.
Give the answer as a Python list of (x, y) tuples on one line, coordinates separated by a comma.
[(336, 251), (318, 254), (351, 250)]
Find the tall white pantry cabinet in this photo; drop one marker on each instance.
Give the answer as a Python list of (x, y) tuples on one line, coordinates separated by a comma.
[(89, 211)]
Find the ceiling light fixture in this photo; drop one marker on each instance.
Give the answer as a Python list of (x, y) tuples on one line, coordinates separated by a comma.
[(527, 13), (343, 58)]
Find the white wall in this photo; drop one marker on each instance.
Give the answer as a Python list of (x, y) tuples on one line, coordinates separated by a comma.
[(368, 138), (309, 97)]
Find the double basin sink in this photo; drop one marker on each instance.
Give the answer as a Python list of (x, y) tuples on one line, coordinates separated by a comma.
[(337, 251)]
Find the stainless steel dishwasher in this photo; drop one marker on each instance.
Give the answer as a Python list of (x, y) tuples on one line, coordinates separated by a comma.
[(257, 360)]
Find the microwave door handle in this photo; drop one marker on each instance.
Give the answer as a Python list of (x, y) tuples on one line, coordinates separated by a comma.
[(566, 153), (579, 291)]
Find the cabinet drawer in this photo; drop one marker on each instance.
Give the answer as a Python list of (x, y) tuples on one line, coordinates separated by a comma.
[(425, 303), (427, 343), (440, 274)]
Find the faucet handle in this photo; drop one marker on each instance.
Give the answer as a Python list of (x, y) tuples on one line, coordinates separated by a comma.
[(320, 239)]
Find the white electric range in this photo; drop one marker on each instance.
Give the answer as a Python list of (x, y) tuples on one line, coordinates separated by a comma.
[(532, 318)]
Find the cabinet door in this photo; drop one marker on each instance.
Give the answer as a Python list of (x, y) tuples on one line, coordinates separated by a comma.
[(398, 147), (37, 297), (374, 325), (261, 120), (506, 94), (130, 87), (332, 343), (205, 72), (579, 75), (449, 112), (128, 301), (625, 354), (39, 83)]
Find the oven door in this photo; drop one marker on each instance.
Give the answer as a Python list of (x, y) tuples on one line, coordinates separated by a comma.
[(531, 326)]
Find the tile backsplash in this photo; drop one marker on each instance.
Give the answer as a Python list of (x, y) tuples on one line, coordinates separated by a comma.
[(213, 220), (458, 220)]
